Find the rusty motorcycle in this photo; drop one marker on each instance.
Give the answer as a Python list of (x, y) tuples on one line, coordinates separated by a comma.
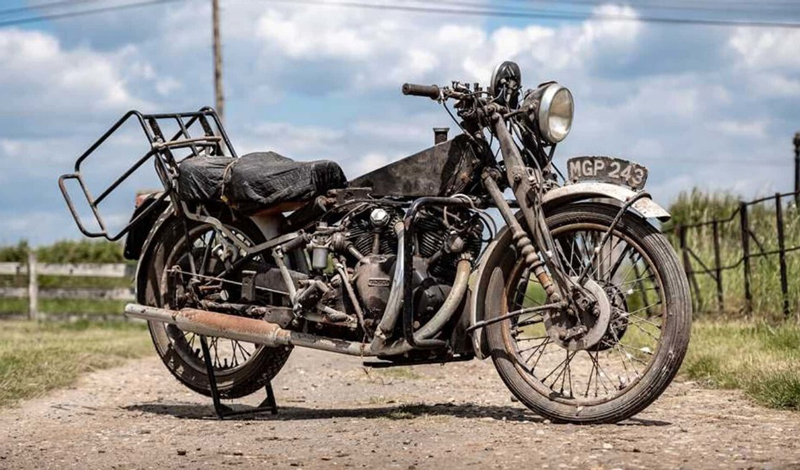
[(565, 283)]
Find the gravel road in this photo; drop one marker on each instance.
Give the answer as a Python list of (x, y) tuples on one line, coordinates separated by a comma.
[(335, 413)]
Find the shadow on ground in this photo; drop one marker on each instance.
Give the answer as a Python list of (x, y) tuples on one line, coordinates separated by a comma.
[(398, 412)]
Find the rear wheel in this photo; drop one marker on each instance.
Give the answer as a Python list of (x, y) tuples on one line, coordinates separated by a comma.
[(624, 359), (240, 368)]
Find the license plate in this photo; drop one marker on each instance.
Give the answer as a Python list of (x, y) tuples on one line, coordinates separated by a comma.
[(607, 170)]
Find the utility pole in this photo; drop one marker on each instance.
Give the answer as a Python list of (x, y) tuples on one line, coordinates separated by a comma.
[(797, 169), (218, 94)]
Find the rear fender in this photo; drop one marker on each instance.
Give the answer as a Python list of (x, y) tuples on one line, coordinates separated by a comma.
[(485, 285), (268, 225), (137, 236), (153, 232)]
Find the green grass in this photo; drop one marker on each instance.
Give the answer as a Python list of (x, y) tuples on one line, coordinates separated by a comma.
[(64, 306), (761, 360), (38, 357), (66, 282)]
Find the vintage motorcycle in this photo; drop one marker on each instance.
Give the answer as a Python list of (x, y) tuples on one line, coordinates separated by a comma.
[(580, 302)]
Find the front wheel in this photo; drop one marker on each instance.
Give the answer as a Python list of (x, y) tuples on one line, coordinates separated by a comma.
[(606, 366)]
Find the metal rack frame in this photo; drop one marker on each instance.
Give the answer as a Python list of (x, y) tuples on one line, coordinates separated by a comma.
[(213, 142)]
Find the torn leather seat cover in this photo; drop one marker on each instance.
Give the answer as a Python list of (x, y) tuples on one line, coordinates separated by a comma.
[(257, 180)]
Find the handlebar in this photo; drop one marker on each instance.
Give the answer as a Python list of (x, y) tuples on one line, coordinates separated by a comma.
[(431, 91)]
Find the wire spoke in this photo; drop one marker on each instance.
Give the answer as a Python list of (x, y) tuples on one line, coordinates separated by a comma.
[(609, 366), (633, 321)]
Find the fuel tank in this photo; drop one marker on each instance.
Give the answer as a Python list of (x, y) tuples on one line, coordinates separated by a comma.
[(444, 169)]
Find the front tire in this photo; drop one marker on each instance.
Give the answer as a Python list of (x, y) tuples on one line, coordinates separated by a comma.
[(643, 347)]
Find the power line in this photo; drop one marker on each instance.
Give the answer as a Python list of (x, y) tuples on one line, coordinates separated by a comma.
[(72, 14), (712, 7), (44, 6), (490, 12), (720, 6), (545, 14)]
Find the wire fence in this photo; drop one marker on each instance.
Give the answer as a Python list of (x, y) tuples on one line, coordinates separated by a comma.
[(743, 262)]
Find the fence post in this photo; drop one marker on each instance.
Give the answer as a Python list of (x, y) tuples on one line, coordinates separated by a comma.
[(33, 286), (745, 228), (682, 243), (782, 254), (687, 267), (797, 169), (718, 266)]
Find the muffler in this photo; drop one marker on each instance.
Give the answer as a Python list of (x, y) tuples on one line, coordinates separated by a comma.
[(250, 330)]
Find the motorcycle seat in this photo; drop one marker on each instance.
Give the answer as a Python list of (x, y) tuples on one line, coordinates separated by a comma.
[(256, 181)]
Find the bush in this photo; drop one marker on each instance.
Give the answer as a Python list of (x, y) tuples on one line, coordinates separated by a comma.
[(66, 251), (15, 253), (83, 251)]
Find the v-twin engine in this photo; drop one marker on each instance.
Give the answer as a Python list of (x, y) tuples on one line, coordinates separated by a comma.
[(353, 263)]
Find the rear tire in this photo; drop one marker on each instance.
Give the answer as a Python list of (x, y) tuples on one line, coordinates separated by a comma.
[(180, 357), (632, 396)]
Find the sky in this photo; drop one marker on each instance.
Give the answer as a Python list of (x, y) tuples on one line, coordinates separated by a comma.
[(708, 107)]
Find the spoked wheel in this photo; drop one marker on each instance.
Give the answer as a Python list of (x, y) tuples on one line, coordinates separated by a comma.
[(609, 362), (240, 368)]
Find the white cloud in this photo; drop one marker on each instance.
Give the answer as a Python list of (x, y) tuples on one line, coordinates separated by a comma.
[(371, 161), (766, 48), (167, 86), (289, 139), (384, 50), (752, 129), (333, 35), (39, 75)]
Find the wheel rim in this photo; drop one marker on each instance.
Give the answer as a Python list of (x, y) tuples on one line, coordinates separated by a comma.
[(609, 369), (227, 356)]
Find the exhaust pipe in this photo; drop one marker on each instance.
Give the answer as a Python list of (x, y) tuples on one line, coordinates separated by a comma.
[(203, 322)]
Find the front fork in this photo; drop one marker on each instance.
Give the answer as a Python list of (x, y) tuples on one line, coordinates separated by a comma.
[(541, 252)]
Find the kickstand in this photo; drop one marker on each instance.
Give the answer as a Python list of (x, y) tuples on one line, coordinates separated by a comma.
[(223, 411)]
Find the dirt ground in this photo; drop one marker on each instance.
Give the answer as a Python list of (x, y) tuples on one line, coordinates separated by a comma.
[(336, 414)]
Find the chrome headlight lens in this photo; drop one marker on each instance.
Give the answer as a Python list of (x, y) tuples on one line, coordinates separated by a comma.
[(555, 113)]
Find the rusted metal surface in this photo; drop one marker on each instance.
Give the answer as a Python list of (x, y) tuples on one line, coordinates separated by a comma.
[(582, 191), (208, 323), (229, 326), (249, 330), (432, 172)]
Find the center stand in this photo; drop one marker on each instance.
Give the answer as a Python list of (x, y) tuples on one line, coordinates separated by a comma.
[(223, 411)]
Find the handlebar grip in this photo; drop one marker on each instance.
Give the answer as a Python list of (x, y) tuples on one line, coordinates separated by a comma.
[(431, 91)]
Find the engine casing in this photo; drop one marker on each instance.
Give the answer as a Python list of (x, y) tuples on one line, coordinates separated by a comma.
[(373, 279)]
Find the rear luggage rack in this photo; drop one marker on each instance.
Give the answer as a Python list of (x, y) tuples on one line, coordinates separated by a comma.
[(213, 142)]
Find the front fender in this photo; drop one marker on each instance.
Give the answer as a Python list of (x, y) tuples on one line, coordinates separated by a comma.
[(646, 207), (492, 259)]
